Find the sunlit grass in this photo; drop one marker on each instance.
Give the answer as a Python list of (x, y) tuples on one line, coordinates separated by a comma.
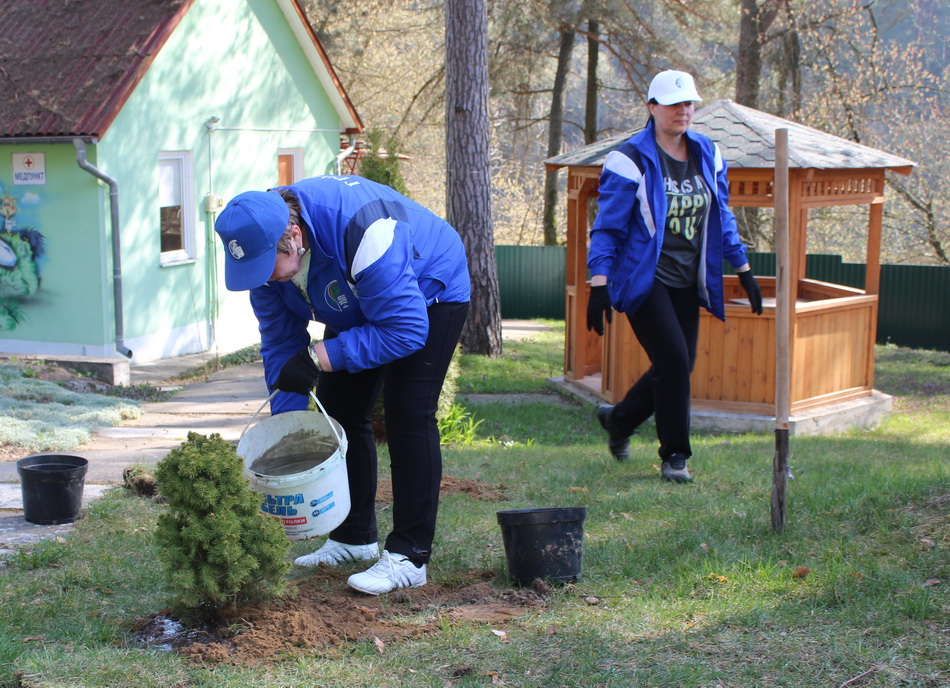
[(523, 367), (682, 585)]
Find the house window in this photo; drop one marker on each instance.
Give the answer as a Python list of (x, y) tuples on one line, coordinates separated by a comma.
[(289, 166), (176, 206)]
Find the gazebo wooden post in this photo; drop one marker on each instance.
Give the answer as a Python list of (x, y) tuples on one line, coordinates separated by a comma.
[(573, 367), (872, 276), (797, 231), (577, 356)]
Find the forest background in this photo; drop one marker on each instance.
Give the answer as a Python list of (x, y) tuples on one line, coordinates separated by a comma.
[(565, 73)]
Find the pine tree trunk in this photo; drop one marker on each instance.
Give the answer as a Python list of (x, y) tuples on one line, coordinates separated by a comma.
[(591, 97), (590, 104), (555, 134), (754, 23), (468, 175), (749, 62)]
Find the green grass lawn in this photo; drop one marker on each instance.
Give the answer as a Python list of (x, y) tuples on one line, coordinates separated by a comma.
[(682, 585)]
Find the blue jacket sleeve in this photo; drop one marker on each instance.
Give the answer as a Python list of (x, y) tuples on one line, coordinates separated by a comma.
[(390, 299), (282, 334), (619, 183)]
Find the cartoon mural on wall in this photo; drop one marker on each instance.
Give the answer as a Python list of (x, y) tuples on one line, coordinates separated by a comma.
[(20, 253)]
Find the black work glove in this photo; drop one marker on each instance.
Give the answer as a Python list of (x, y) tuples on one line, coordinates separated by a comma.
[(747, 280), (597, 306), (299, 373)]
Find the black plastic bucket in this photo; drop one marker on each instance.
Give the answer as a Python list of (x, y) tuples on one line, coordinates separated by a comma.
[(51, 485), (543, 543)]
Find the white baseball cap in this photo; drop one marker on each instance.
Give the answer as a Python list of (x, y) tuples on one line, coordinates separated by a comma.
[(671, 87)]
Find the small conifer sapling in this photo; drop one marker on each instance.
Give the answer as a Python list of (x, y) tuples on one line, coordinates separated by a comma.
[(217, 548)]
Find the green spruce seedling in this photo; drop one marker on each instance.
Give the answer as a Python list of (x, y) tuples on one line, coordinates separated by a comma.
[(382, 164), (217, 548)]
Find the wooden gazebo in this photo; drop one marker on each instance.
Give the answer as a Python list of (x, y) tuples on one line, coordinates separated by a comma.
[(832, 328)]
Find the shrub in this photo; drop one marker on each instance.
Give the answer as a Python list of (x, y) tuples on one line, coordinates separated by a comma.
[(217, 548), (381, 164)]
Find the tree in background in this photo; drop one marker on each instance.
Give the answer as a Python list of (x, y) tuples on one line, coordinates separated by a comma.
[(591, 94), (468, 173), (875, 71), (556, 132), (755, 19), (390, 58), (754, 22), (874, 74), (381, 162)]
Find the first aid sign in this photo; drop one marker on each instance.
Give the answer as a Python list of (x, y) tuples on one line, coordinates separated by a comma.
[(29, 168)]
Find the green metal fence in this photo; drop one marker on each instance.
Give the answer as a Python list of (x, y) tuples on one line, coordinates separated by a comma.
[(531, 281), (914, 306)]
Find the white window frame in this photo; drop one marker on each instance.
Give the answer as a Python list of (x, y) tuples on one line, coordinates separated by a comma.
[(186, 185)]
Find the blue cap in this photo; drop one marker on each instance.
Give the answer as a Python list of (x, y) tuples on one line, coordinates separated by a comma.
[(250, 227)]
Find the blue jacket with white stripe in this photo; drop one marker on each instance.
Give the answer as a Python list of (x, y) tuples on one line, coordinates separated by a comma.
[(627, 236), (377, 261)]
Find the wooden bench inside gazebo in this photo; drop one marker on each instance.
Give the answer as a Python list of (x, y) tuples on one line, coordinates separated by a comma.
[(832, 327)]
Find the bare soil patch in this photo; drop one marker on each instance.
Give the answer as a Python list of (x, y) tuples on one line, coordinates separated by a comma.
[(323, 614), (449, 485)]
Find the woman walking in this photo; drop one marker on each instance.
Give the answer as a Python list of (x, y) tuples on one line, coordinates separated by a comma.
[(656, 251)]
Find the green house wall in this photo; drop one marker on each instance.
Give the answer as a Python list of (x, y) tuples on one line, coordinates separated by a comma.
[(237, 61), (68, 310)]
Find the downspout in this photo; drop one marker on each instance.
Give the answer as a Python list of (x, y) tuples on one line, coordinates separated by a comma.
[(343, 154), (116, 246), (212, 204)]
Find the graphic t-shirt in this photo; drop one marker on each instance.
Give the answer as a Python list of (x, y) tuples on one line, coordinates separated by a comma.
[(688, 200)]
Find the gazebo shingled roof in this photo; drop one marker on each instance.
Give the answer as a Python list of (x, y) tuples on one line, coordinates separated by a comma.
[(747, 139)]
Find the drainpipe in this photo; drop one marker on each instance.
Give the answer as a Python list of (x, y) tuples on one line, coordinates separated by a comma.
[(116, 247), (342, 155)]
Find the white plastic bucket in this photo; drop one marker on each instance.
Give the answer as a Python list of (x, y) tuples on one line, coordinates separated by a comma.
[(297, 461)]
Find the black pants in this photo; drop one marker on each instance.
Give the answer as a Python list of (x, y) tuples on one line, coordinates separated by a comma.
[(667, 327), (412, 387)]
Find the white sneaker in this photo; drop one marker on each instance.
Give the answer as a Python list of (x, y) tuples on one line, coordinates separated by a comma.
[(335, 553), (390, 572)]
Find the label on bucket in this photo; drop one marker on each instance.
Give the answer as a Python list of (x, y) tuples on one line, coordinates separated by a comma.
[(282, 505)]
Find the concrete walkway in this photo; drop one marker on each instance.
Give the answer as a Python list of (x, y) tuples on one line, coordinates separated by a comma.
[(225, 404)]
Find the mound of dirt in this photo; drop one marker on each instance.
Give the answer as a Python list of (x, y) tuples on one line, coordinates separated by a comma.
[(323, 613), (449, 485)]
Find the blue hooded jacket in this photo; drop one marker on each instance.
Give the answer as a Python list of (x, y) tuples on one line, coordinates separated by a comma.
[(627, 236), (377, 261)]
